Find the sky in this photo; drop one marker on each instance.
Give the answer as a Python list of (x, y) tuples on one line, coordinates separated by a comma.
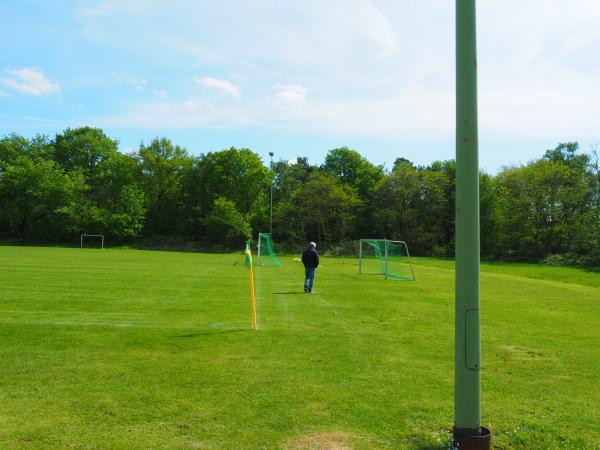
[(299, 78)]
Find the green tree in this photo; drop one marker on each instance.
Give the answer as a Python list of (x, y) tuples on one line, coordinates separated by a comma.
[(353, 169), (356, 171), (225, 225), (195, 205), (487, 214), (126, 218), (323, 210), (33, 196), (13, 146), (447, 215), (542, 209), (237, 175), (83, 149), (411, 207), (566, 152), (118, 190), (289, 177), (162, 168)]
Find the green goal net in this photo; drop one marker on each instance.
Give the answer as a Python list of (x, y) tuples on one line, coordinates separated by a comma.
[(384, 257), (265, 255)]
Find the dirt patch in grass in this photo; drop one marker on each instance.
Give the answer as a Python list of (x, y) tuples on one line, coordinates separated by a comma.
[(336, 440)]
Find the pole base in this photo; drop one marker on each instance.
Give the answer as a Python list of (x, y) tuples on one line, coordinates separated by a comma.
[(466, 439)]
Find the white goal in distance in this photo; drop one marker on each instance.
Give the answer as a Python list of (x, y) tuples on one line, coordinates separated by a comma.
[(84, 236)]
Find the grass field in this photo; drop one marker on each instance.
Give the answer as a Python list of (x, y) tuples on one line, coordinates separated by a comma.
[(137, 349)]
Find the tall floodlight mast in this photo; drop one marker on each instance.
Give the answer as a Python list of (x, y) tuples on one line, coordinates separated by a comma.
[(468, 432), (271, 221)]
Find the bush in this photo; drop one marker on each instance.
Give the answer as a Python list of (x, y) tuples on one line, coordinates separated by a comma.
[(346, 248), (565, 259), (225, 225)]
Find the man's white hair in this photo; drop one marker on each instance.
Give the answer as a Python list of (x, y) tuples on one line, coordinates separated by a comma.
[(312, 244)]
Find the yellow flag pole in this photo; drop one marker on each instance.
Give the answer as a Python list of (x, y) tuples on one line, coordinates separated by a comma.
[(252, 297)]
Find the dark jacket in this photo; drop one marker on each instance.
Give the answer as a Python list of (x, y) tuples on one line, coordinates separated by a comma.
[(310, 258)]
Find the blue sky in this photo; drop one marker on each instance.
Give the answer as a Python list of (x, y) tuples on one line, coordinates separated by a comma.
[(301, 77)]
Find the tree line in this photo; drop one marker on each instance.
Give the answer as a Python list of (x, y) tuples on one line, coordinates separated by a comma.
[(53, 190)]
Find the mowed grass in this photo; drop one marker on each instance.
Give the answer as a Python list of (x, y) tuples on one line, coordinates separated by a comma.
[(153, 350)]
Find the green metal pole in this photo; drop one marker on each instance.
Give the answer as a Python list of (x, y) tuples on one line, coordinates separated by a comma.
[(271, 220), (467, 345)]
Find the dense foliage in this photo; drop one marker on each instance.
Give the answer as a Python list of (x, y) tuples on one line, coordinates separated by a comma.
[(52, 190)]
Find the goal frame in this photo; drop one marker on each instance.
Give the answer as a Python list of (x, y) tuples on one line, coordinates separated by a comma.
[(83, 236), (276, 262), (385, 256)]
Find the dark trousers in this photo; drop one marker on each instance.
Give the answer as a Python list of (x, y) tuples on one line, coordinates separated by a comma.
[(310, 278)]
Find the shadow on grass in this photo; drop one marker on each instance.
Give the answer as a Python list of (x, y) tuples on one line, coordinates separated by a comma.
[(208, 333), (289, 293), (354, 277)]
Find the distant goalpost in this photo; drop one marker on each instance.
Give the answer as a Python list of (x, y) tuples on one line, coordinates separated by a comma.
[(385, 257), (84, 236), (265, 255)]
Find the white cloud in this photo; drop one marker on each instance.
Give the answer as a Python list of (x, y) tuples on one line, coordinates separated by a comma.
[(160, 93), (4, 94), (381, 68), (30, 81), (376, 27), (109, 7), (189, 113), (409, 115), (291, 95), (221, 85), (137, 82)]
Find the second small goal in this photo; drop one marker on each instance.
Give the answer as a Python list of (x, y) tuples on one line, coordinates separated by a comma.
[(92, 240), (385, 257)]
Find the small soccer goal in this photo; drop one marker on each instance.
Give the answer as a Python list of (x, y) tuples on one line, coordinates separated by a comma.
[(92, 241), (265, 255), (384, 257)]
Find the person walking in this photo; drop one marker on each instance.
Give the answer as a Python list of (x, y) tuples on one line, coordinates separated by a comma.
[(310, 259)]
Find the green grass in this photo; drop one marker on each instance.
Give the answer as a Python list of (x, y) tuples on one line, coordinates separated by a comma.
[(140, 349)]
